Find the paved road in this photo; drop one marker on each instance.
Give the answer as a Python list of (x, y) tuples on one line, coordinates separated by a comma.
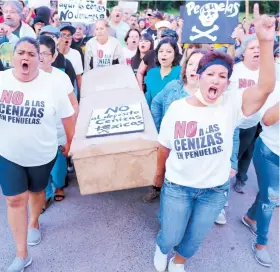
[(115, 232)]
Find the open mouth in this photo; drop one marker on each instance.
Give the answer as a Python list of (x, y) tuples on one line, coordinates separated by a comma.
[(66, 42), (192, 75), (163, 59), (25, 68), (212, 93), (256, 57)]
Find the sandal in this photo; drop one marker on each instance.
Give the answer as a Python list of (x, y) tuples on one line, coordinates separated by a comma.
[(59, 198), (48, 202)]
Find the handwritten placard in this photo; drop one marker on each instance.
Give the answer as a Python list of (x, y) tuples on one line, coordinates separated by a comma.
[(116, 120), (209, 21), (81, 11)]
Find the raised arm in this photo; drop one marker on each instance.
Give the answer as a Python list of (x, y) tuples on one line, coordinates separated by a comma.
[(254, 97), (272, 115)]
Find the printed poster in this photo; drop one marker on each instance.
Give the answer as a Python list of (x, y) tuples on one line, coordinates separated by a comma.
[(209, 21), (39, 3), (132, 6), (116, 120), (6, 54)]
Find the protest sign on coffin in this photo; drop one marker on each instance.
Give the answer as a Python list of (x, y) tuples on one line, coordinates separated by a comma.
[(126, 159), (81, 11), (209, 21), (116, 120)]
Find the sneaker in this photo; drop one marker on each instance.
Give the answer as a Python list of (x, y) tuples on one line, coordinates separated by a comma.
[(172, 267), (19, 264), (34, 237), (221, 219), (226, 205), (252, 227), (151, 195), (239, 186), (262, 256), (160, 260)]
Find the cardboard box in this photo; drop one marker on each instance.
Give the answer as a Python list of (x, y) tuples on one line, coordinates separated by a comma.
[(116, 162)]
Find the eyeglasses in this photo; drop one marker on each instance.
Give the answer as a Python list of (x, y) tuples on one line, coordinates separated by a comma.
[(45, 54), (67, 36), (9, 11), (40, 24)]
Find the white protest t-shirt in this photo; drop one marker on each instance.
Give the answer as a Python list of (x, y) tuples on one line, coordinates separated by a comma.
[(200, 140), (242, 77), (270, 134), (104, 55), (128, 55), (66, 87), (28, 117), (76, 60)]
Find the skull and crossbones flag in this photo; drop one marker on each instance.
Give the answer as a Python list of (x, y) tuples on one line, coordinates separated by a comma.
[(209, 21)]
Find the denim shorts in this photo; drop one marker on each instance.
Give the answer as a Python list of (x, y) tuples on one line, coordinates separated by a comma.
[(16, 179)]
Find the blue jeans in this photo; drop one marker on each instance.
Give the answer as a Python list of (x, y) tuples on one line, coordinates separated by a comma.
[(187, 215), (267, 168), (246, 149), (58, 175)]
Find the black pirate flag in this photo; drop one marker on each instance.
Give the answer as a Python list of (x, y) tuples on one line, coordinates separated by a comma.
[(209, 21)]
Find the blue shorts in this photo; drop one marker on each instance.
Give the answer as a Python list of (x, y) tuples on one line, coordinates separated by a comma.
[(16, 179)]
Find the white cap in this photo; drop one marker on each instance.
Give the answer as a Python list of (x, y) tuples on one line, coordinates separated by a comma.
[(161, 24)]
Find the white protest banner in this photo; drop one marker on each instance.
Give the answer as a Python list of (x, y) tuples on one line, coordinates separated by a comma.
[(116, 120), (81, 11), (39, 3), (133, 6)]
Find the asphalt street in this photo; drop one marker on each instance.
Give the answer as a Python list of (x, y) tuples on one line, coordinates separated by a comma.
[(116, 232)]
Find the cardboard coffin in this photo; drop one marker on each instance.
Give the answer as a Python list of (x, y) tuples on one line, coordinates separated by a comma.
[(120, 161)]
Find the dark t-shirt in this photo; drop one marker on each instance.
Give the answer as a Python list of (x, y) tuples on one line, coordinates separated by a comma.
[(80, 46), (135, 62), (150, 59), (66, 66), (152, 32), (16, 32), (1, 66)]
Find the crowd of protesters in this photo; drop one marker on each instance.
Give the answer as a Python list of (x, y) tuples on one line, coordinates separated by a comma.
[(215, 107)]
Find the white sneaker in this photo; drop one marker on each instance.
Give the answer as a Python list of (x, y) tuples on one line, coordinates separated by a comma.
[(221, 219), (172, 267), (160, 260), (226, 204)]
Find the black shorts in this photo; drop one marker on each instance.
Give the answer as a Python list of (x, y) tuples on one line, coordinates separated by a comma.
[(16, 179)]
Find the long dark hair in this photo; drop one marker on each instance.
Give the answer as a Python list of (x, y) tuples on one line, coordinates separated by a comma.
[(146, 37), (128, 32), (174, 45)]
